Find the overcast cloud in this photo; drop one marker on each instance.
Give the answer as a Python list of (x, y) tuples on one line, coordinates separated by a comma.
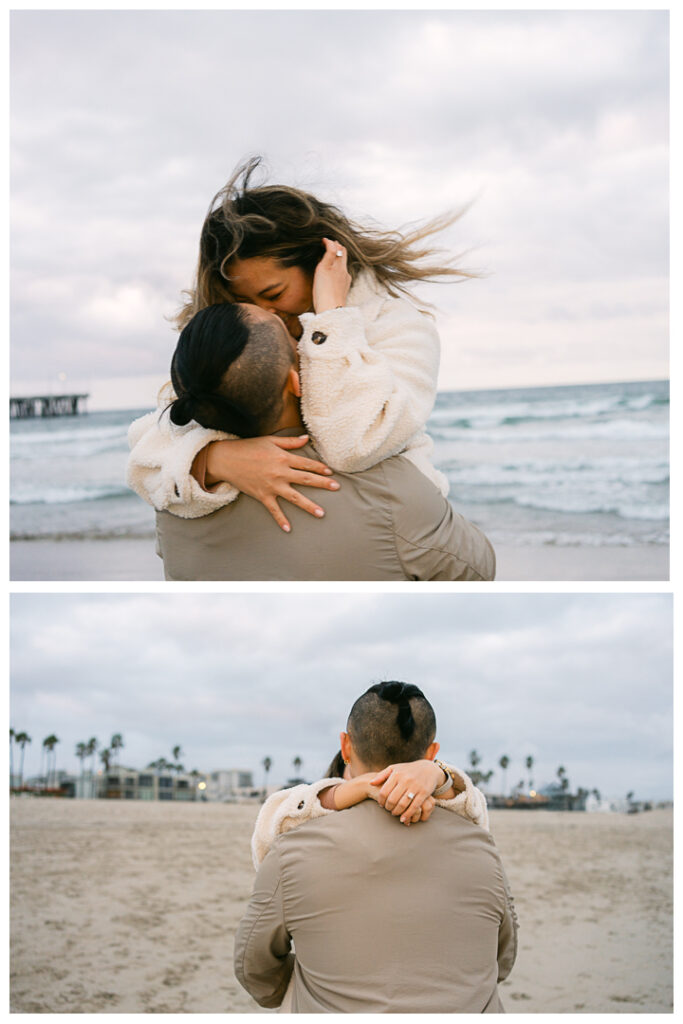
[(579, 680), (124, 124)]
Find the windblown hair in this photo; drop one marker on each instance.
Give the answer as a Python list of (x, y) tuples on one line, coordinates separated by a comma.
[(229, 374), (288, 225), (391, 722)]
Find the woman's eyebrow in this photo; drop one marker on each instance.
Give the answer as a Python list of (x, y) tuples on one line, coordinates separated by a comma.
[(269, 288)]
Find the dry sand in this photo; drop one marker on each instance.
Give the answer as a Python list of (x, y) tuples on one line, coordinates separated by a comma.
[(135, 559), (132, 907)]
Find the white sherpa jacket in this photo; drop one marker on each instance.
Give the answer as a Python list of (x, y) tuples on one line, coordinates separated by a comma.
[(289, 808), (368, 390)]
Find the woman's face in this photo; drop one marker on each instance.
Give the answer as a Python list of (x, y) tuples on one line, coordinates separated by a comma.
[(264, 281)]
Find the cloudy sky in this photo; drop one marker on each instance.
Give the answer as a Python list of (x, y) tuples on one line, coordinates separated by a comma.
[(579, 680), (124, 124)]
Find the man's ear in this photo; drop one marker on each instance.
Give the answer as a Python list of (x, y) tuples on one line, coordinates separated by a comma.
[(432, 750), (293, 384), (345, 743)]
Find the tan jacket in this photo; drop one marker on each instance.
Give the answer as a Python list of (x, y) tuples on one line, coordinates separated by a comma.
[(290, 808), (386, 523), (384, 918)]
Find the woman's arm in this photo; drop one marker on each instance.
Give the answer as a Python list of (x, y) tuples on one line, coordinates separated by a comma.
[(160, 463), (369, 386), (171, 468), (340, 795)]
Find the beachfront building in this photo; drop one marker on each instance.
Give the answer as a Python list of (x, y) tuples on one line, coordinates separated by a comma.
[(231, 786), (85, 786), (150, 784)]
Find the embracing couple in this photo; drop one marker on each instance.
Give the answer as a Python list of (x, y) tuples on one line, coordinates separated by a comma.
[(352, 912), (301, 363)]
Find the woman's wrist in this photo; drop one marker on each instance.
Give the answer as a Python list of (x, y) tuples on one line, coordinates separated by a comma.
[(214, 463)]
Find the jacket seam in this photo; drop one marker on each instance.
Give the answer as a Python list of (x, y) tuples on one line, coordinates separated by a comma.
[(443, 551)]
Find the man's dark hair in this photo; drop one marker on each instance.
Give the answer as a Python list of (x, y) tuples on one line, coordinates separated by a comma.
[(391, 722), (229, 372)]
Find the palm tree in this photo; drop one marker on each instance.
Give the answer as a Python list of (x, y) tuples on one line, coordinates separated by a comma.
[(475, 775), (105, 758), (22, 738), (12, 735), (50, 742), (297, 762), (562, 776), (596, 794), (92, 746), (81, 753), (267, 765), (504, 762), (529, 765), (116, 745)]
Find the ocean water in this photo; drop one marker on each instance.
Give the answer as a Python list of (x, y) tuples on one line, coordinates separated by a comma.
[(580, 465)]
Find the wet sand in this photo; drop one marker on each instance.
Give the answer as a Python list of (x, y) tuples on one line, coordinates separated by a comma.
[(135, 559), (132, 907)]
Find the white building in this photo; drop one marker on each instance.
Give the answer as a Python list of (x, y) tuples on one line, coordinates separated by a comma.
[(229, 786)]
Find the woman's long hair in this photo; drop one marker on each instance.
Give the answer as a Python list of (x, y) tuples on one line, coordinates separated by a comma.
[(288, 225)]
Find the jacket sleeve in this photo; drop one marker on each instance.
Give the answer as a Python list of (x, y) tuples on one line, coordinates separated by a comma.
[(160, 463), (507, 933), (367, 389), (470, 803), (263, 957), (284, 810)]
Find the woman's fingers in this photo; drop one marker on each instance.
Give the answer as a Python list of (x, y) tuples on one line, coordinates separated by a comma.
[(331, 279), (313, 480), (408, 806), (404, 801), (289, 442), (277, 514), (427, 808), (293, 496), (334, 251), (311, 465)]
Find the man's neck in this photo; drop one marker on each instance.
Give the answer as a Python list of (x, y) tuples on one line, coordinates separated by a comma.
[(290, 418)]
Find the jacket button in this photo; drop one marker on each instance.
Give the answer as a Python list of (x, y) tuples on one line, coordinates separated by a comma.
[(318, 337)]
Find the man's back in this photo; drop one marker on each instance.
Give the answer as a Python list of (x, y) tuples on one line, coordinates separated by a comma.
[(386, 523), (383, 918)]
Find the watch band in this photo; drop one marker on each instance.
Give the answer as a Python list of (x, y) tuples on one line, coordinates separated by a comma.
[(447, 784)]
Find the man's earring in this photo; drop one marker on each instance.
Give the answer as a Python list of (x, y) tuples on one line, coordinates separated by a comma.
[(346, 762)]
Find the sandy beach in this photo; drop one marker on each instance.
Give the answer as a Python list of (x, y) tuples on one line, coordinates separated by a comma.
[(132, 907), (135, 559)]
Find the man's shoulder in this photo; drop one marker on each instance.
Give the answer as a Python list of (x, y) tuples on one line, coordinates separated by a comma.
[(369, 816)]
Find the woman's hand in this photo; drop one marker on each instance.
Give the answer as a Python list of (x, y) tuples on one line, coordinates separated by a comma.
[(331, 280), (406, 789), (267, 468)]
